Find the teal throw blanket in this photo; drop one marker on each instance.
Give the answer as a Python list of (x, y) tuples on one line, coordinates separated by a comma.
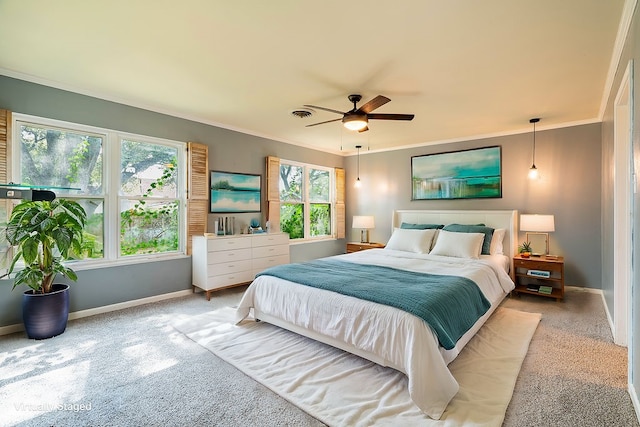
[(449, 304)]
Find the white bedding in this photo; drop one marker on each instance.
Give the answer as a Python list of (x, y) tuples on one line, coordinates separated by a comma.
[(384, 334)]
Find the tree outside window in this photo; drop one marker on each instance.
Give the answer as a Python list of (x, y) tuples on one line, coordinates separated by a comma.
[(306, 204), (147, 202), (149, 207), (71, 162)]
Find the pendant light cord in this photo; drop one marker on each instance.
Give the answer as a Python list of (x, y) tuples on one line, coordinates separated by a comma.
[(533, 162), (534, 121)]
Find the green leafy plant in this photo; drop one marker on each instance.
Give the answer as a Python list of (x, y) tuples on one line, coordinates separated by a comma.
[(524, 247), (45, 234), (151, 229)]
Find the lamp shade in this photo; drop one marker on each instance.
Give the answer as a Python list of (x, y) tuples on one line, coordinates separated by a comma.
[(365, 222), (541, 223)]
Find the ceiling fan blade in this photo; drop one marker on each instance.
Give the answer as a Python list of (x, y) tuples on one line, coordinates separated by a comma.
[(321, 123), (382, 116), (376, 102), (325, 109)]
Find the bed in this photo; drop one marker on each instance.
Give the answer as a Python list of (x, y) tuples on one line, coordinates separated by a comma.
[(382, 333)]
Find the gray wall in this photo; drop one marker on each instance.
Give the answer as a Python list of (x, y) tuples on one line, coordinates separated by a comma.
[(228, 150), (568, 159), (631, 52), (569, 188)]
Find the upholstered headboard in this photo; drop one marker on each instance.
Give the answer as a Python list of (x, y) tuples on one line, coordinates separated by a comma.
[(507, 219)]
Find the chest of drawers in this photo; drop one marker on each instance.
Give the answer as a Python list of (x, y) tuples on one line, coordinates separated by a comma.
[(221, 262)]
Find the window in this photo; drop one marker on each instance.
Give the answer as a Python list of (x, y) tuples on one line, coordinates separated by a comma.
[(306, 196), (131, 186), (149, 204), (71, 162)]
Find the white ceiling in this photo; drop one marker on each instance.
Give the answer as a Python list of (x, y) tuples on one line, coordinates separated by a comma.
[(465, 68)]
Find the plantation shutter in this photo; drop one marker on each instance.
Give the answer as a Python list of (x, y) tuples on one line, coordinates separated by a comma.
[(273, 192), (5, 138), (340, 207), (5, 204), (197, 190), (5, 142)]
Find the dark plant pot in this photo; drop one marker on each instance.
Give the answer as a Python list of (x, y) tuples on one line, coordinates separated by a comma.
[(45, 315)]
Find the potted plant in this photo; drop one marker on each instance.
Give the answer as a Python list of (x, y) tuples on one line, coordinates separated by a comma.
[(45, 233), (525, 249)]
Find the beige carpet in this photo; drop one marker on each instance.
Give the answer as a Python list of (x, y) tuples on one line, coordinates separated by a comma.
[(341, 389)]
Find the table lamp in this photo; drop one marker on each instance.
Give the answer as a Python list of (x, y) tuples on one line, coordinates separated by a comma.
[(538, 225), (364, 223)]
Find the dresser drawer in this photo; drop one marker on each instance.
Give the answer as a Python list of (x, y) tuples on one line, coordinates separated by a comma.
[(225, 261), (532, 264), (264, 263), (229, 267), (227, 243), (227, 256), (266, 251), (270, 239), (225, 280)]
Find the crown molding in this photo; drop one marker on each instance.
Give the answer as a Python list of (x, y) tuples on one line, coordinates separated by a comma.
[(623, 31)]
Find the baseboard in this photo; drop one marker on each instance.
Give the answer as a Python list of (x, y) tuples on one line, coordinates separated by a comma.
[(604, 303), (630, 388), (634, 400), (583, 289), (10, 329), (609, 316)]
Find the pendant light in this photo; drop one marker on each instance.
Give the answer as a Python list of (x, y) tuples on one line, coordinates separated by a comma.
[(533, 171), (358, 182)]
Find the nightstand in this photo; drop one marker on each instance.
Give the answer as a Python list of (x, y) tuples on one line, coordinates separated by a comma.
[(356, 247), (535, 273)]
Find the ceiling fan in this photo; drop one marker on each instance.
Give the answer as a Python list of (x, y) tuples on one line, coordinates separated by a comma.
[(358, 118)]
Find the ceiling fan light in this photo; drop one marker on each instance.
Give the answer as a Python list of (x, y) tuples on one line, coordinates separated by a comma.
[(355, 122)]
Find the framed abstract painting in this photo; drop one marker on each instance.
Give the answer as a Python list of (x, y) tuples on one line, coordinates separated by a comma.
[(235, 192), (465, 174)]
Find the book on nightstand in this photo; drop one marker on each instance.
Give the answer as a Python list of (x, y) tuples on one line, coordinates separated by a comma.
[(533, 288), (545, 290), (539, 273)]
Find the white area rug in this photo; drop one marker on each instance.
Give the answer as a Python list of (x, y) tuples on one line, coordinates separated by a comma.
[(341, 389)]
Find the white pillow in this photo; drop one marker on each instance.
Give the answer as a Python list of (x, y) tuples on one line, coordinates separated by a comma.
[(496, 241), (460, 245), (435, 239), (411, 240)]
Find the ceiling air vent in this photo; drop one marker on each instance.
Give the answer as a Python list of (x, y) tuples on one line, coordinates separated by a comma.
[(302, 113)]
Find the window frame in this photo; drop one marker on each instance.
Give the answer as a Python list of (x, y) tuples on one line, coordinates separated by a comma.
[(110, 196), (181, 189), (307, 202)]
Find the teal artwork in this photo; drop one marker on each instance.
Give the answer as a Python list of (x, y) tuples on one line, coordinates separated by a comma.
[(467, 174), (234, 192)]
